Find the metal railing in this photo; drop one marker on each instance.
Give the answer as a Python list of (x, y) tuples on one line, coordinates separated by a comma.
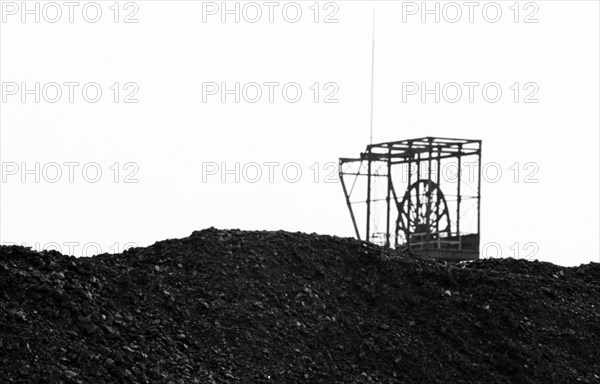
[(427, 239)]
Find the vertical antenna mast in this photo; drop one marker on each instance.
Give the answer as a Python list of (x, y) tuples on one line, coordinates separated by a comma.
[(372, 73)]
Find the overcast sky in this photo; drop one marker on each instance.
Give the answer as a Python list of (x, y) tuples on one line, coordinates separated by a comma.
[(140, 133)]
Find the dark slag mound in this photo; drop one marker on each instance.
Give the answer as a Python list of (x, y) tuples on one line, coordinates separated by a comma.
[(230, 306)]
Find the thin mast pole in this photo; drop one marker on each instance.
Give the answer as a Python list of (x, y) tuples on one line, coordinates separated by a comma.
[(372, 73)]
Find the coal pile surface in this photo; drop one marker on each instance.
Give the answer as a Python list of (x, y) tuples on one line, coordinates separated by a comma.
[(230, 306)]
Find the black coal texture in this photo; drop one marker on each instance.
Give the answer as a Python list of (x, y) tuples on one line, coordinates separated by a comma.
[(231, 306)]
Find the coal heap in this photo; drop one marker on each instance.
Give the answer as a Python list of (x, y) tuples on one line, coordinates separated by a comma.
[(231, 306)]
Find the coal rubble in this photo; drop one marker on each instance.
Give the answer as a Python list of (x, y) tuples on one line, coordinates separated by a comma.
[(231, 306)]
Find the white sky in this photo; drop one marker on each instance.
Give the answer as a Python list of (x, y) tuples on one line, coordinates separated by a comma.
[(170, 136)]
